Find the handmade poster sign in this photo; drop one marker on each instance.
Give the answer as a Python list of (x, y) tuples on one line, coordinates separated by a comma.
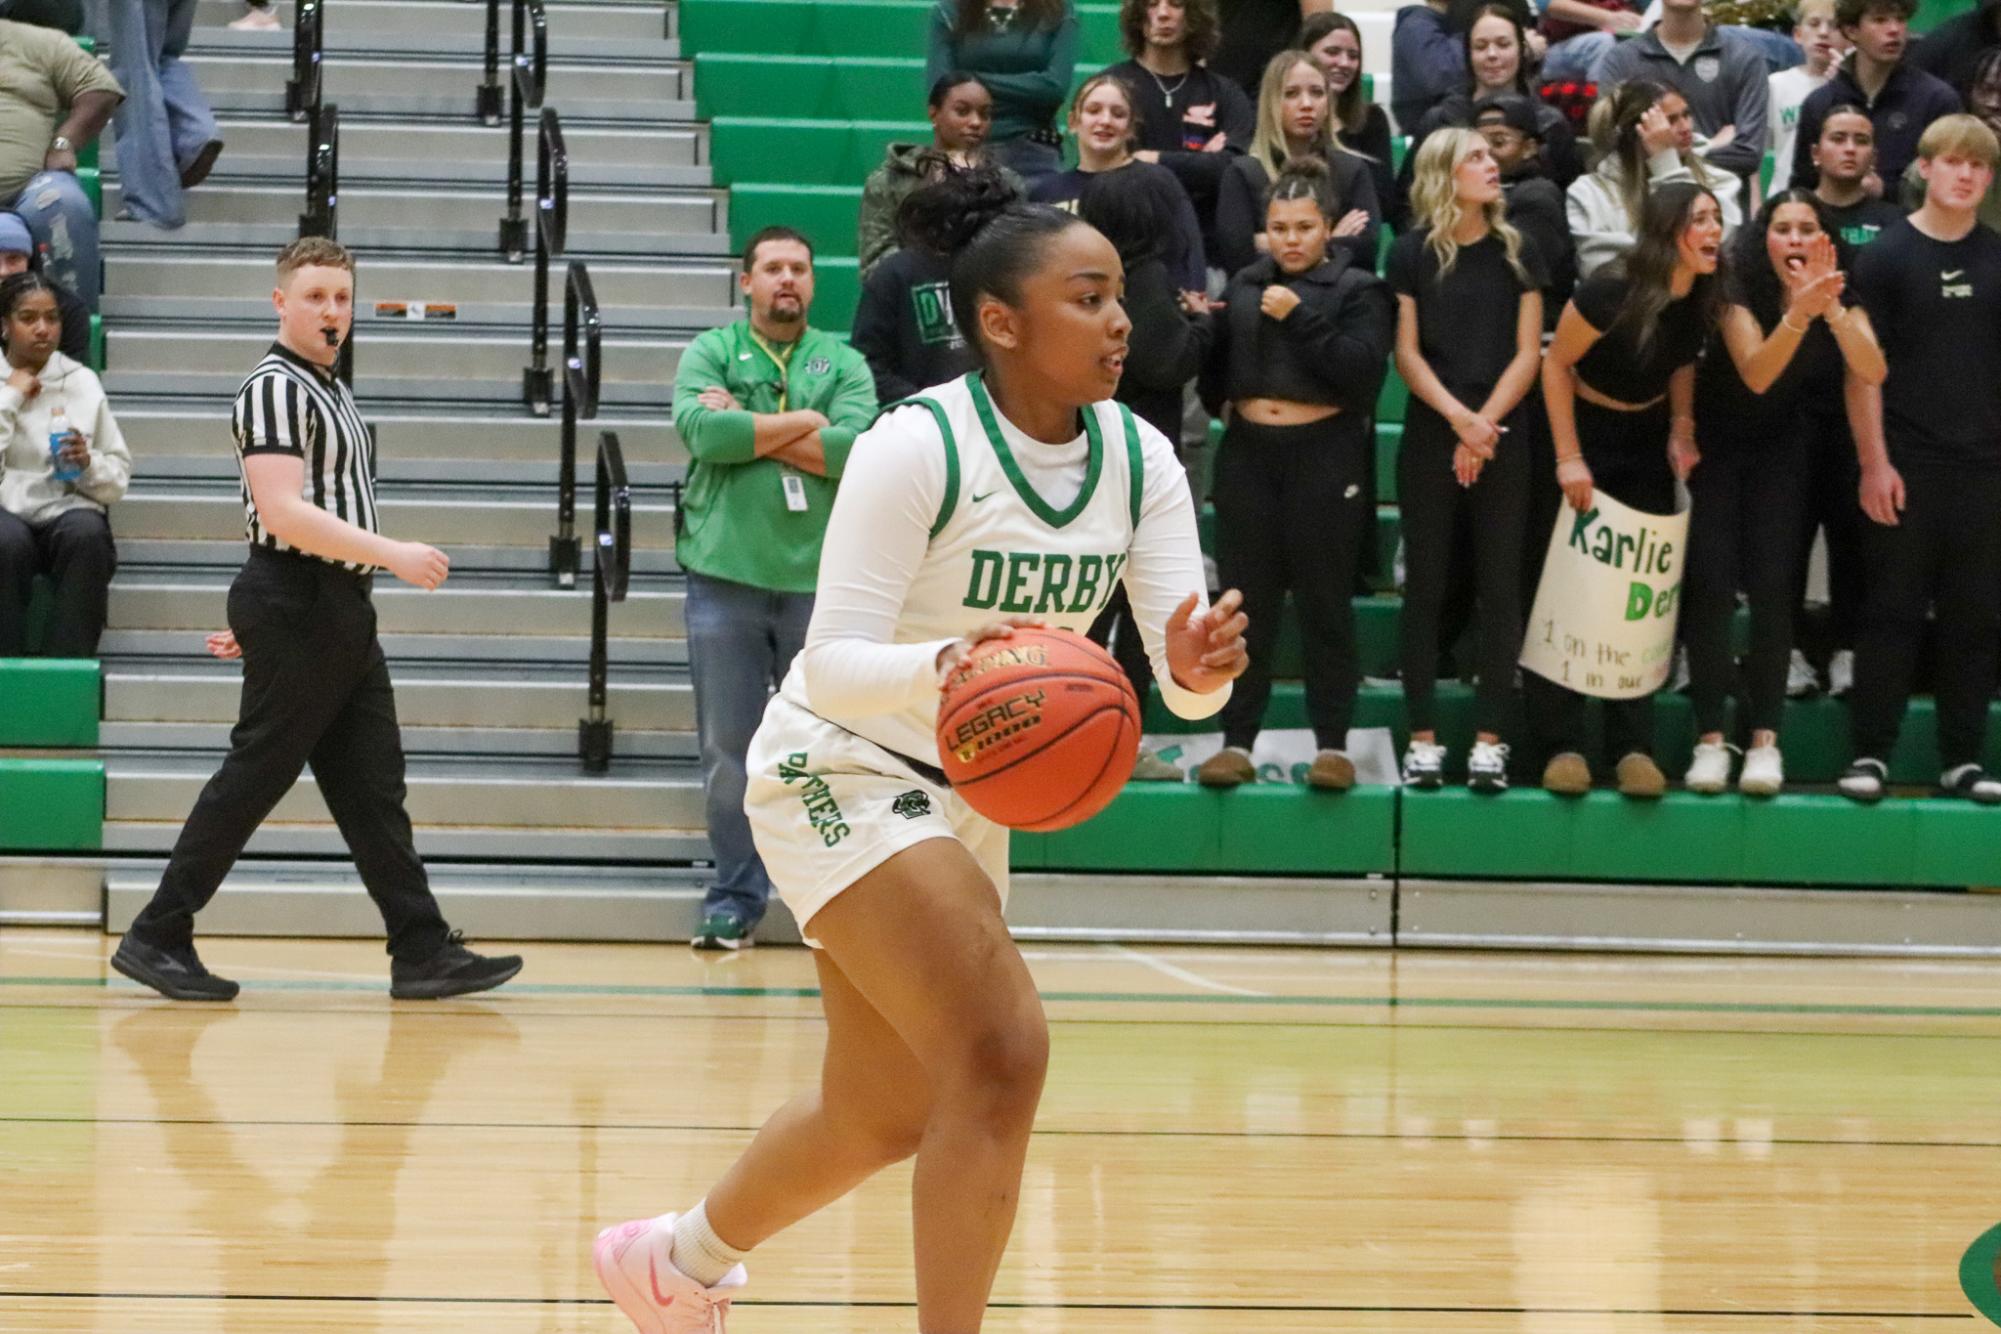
[(1605, 612)]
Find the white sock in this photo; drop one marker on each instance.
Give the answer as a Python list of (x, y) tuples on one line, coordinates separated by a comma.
[(698, 1252)]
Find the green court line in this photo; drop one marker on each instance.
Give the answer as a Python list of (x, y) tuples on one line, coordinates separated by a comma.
[(1137, 998), (1980, 1274)]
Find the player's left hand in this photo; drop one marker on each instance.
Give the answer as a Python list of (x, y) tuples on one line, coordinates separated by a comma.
[(1206, 652), (222, 644)]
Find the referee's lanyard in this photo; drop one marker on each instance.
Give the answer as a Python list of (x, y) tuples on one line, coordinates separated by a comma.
[(789, 482)]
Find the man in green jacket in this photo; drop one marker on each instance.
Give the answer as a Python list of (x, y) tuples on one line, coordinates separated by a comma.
[(769, 409)]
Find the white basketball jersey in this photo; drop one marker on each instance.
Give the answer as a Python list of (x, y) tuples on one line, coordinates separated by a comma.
[(997, 547)]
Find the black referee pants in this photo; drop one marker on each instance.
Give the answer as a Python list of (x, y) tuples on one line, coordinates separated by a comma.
[(315, 688)]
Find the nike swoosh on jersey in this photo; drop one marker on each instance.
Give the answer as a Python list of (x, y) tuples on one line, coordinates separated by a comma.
[(1948, 277), (984, 496)]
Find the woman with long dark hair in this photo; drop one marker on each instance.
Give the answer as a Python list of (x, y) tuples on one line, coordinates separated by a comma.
[(1295, 123), (1498, 63), (66, 463), (962, 112), (1360, 125), (1784, 343), (1469, 342), (1619, 385), (1301, 351), (936, 1043), (1025, 53)]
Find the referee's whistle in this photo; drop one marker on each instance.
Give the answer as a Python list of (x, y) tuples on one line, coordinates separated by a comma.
[(333, 337)]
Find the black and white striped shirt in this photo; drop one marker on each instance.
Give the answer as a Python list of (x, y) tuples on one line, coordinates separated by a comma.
[(290, 406)]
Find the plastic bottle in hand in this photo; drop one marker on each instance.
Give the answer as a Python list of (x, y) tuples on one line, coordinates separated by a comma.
[(59, 433)]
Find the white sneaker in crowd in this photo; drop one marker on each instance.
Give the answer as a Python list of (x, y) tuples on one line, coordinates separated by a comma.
[(1841, 673), (1487, 767), (1424, 764), (1709, 769), (1802, 682), (1764, 772)]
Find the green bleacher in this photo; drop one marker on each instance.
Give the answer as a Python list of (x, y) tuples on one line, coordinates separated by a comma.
[(49, 803)]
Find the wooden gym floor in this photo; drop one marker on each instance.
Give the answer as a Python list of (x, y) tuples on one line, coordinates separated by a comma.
[(1254, 1141)]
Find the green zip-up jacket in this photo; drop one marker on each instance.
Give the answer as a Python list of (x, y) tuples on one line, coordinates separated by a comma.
[(735, 523)]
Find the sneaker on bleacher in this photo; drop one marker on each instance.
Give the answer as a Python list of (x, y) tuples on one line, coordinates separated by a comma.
[(1802, 682), (1424, 764)]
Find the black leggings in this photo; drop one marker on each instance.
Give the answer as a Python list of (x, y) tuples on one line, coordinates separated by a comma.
[(1945, 555), (1627, 455), (1747, 503), (1437, 513), (1832, 483), (1290, 501)]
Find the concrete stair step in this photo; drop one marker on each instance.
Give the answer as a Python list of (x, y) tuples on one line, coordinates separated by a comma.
[(439, 24), (551, 743), (372, 150), (497, 606), (447, 220), (246, 81), (411, 362), (470, 651), (491, 518), (222, 556), (190, 437), (584, 842), (649, 795)]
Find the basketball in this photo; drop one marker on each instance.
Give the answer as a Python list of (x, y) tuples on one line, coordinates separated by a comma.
[(1038, 731)]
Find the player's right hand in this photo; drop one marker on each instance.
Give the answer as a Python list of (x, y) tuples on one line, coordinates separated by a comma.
[(955, 653), (1882, 494), (415, 563), (1573, 474)]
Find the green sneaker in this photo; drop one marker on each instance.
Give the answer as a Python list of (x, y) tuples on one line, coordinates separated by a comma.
[(722, 931)]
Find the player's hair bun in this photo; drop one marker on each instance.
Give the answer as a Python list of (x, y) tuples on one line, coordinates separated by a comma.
[(945, 214)]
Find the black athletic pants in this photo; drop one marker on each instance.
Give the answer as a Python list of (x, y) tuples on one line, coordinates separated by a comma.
[(1944, 555), (1627, 454), (1747, 503), (1438, 516), (315, 688), (75, 550), (1116, 630), (1290, 501), (1833, 481)]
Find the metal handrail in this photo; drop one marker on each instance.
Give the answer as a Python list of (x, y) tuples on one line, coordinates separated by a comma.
[(552, 225), (611, 574), (583, 345), (526, 87), (488, 104), (303, 90), (322, 215)]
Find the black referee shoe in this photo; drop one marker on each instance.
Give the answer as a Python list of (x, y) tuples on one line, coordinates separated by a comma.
[(453, 971), (175, 974)]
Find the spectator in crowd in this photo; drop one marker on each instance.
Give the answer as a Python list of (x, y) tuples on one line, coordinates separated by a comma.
[(1190, 119), (1253, 31), (1929, 441), (65, 462), (1718, 72), (168, 140), (1782, 345), (769, 408), (1619, 384), (1950, 51), (1165, 349), (1294, 123), (904, 322), (1102, 119), (1580, 33), (1427, 60), (1301, 351), (18, 255), (1983, 99), (962, 111), (54, 99), (1820, 37), (1360, 126), (1901, 99), (1496, 53), (1845, 158), (1512, 126), (1025, 52), (1650, 142), (1469, 345)]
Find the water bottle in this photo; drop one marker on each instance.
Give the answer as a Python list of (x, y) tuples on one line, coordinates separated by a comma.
[(59, 433)]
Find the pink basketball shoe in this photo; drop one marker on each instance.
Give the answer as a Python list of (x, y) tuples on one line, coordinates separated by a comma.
[(633, 1262)]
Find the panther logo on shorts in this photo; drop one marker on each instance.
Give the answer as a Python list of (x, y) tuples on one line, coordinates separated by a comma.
[(912, 805)]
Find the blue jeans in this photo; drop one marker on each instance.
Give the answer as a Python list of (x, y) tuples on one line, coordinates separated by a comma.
[(1027, 158), (1575, 59), (60, 218), (741, 641), (164, 122)]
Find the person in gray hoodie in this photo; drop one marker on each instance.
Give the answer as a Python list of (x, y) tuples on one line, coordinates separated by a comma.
[(962, 113)]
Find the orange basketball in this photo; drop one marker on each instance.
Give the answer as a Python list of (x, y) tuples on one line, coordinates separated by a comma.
[(1038, 731)]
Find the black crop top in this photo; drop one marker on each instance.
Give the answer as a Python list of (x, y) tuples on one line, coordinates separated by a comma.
[(1615, 365), (1333, 348)]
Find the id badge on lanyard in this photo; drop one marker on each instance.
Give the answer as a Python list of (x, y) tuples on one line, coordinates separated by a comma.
[(795, 491)]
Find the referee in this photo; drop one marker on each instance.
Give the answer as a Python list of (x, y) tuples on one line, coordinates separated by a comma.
[(315, 687)]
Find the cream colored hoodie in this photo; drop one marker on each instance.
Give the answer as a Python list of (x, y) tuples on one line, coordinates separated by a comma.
[(1597, 211), (28, 487)]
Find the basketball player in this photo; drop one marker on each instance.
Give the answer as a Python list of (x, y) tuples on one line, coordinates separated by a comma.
[(315, 686), (1016, 495)]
